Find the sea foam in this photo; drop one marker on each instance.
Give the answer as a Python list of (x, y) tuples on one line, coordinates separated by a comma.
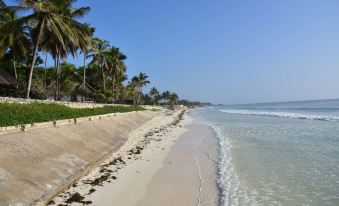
[(231, 193), (281, 114)]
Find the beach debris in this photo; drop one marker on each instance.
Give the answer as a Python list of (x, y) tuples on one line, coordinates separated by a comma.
[(106, 170), (91, 191), (98, 181), (51, 202), (77, 198)]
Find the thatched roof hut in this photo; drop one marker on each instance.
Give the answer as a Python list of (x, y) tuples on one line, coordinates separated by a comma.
[(86, 88), (6, 78)]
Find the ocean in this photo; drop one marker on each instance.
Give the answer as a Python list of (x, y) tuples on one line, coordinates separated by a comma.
[(276, 153)]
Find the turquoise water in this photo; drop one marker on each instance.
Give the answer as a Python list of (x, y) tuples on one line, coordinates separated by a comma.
[(277, 153)]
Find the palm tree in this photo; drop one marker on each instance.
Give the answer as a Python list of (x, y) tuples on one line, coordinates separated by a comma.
[(138, 82), (165, 96), (53, 18), (16, 39), (86, 48), (133, 86), (120, 77), (173, 98), (115, 63), (143, 80), (99, 55), (61, 46), (154, 93)]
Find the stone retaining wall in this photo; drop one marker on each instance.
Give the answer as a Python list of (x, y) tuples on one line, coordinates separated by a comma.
[(27, 127), (69, 104)]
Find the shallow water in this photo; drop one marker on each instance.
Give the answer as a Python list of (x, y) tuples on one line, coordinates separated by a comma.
[(283, 159)]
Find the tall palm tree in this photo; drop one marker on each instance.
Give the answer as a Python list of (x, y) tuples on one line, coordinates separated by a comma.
[(120, 77), (116, 64), (133, 87), (60, 48), (173, 97), (138, 82), (99, 55), (86, 48), (165, 96), (14, 39), (154, 93), (50, 18)]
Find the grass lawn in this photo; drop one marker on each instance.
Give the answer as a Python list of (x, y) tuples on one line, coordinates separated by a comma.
[(16, 114)]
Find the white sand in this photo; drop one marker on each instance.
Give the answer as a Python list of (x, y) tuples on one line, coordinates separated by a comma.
[(133, 177)]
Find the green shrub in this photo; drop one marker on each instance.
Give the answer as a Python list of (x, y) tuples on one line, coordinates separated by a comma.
[(17, 114)]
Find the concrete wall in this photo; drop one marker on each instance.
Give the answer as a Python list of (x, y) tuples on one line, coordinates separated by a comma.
[(37, 163)]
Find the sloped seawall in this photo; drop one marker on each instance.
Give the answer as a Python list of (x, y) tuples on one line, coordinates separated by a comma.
[(36, 164)]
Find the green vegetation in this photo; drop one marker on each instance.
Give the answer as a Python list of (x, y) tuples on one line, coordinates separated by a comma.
[(17, 114), (34, 34)]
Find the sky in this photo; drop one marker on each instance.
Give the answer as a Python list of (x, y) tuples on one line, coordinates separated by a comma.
[(225, 51)]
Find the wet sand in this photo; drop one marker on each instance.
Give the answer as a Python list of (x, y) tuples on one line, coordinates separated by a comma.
[(189, 174)]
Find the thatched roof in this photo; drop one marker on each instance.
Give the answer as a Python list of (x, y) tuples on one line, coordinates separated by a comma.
[(6, 78), (88, 89)]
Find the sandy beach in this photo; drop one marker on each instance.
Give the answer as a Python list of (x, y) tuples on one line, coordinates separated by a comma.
[(169, 160)]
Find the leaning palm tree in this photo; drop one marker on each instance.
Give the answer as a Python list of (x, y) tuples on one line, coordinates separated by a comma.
[(50, 17)]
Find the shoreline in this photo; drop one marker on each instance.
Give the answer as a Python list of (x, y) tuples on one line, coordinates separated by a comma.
[(189, 174), (164, 160), (140, 145)]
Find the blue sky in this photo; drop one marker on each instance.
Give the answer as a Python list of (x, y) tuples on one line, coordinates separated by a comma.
[(227, 51)]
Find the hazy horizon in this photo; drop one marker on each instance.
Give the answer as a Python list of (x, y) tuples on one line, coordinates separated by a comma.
[(227, 52), (289, 101)]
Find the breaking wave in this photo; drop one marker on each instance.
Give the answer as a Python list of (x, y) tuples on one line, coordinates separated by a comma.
[(281, 114)]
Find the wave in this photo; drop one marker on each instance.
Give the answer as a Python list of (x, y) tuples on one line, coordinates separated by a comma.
[(281, 114), (231, 193)]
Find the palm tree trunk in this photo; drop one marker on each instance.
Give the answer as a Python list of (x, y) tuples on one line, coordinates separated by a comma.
[(14, 67), (35, 52), (84, 77), (46, 70), (58, 75), (113, 81), (103, 77), (15, 75), (55, 89), (134, 98)]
